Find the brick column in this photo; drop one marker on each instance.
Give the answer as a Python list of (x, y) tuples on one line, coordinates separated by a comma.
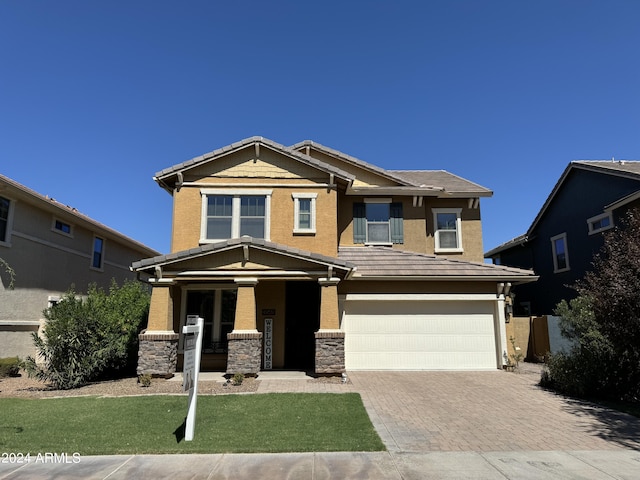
[(329, 338), (245, 342), (158, 344)]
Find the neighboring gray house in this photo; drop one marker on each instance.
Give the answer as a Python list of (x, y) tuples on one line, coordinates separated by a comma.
[(51, 246), (591, 197)]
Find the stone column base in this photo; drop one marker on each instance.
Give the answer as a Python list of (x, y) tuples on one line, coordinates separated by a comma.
[(329, 352), (244, 353), (157, 354)]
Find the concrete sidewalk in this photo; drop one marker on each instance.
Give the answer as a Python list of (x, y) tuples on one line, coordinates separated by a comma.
[(619, 464)]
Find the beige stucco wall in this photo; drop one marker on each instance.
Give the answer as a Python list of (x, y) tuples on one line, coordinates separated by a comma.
[(419, 226), (262, 174), (334, 209)]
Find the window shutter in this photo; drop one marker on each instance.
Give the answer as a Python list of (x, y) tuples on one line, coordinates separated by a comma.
[(397, 229), (359, 223)]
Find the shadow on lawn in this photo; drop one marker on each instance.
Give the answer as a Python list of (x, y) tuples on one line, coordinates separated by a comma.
[(180, 431)]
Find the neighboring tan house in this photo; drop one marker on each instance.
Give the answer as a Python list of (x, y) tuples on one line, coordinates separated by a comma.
[(303, 257), (51, 247), (590, 198)]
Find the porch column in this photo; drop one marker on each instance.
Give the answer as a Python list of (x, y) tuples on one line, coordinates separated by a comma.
[(246, 305), (329, 338), (245, 342), (158, 343)]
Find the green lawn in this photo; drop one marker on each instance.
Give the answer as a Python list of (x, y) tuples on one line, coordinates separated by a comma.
[(284, 422)]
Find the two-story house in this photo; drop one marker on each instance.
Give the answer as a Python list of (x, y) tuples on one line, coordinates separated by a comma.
[(50, 247), (590, 197), (304, 257)]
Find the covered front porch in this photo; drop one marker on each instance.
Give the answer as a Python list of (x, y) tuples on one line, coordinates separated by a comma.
[(265, 307)]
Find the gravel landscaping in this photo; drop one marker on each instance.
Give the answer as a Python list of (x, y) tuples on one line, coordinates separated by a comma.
[(25, 387)]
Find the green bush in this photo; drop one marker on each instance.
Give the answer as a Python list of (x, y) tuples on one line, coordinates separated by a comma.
[(9, 367), (238, 378), (92, 338)]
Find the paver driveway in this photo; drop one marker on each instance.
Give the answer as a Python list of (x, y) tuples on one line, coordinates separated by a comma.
[(485, 411)]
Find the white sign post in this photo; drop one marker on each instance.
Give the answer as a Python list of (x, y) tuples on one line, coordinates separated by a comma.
[(192, 351)]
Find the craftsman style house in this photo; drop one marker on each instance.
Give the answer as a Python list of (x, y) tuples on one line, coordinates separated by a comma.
[(50, 247), (590, 198), (303, 257)]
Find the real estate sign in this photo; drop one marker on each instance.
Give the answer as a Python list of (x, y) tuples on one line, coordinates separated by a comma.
[(192, 352)]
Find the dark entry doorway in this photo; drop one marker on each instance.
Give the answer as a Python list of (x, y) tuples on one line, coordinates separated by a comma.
[(302, 320)]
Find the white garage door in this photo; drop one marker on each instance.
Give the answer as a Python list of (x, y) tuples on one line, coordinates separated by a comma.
[(419, 335)]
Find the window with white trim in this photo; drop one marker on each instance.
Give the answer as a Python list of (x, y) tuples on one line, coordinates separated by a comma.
[(448, 230), (560, 253), (600, 223), (304, 212), (378, 215), (235, 213), (5, 208), (97, 258)]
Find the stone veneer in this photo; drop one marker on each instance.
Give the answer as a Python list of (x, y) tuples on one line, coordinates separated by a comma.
[(157, 354), (244, 353), (329, 352)]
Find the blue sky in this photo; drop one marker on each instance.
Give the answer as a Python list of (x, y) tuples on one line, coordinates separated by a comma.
[(95, 97)]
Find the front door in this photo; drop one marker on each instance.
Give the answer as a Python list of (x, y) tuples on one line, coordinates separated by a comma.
[(302, 320)]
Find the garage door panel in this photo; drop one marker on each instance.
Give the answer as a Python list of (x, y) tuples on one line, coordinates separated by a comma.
[(391, 335), (419, 343)]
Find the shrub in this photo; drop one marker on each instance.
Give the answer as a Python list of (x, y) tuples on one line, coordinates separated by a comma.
[(9, 367), (238, 378), (87, 339), (145, 379), (603, 323)]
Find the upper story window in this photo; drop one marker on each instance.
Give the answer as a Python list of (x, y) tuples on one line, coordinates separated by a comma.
[(5, 205), (61, 227), (560, 253), (448, 230), (97, 259), (377, 221), (234, 213), (600, 223), (304, 212)]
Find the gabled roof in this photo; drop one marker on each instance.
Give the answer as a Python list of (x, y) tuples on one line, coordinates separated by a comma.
[(235, 243), (388, 263), (353, 161), (164, 175), (617, 168), (65, 212), (410, 182)]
